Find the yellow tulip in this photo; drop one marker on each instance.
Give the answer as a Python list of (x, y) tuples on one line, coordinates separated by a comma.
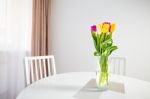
[(105, 28), (100, 27), (113, 27)]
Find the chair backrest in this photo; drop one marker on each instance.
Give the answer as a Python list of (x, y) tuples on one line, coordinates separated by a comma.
[(117, 65), (37, 67)]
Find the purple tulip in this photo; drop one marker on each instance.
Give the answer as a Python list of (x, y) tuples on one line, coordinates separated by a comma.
[(93, 28)]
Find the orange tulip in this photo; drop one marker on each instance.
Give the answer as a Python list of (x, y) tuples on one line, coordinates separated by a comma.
[(113, 27)]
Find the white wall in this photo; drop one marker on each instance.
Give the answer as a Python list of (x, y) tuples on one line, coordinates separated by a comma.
[(71, 39)]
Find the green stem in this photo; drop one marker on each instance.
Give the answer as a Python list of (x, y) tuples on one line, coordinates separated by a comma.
[(103, 79)]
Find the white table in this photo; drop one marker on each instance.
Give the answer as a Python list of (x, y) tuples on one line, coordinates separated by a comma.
[(81, 85)]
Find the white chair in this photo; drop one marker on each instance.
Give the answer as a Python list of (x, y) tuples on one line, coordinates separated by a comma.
[(37, 67), (117, 65)]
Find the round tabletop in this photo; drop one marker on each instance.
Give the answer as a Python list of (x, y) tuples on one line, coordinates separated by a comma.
[(82, 85)]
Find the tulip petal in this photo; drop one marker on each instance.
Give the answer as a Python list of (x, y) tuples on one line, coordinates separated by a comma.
[(105, 28), (100, 27), (113, 27), (93, 28)]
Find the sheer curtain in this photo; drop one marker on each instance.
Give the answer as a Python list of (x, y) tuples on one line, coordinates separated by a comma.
[(15, 39)]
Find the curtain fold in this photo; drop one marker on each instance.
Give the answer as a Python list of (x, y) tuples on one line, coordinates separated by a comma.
[(40, 27)]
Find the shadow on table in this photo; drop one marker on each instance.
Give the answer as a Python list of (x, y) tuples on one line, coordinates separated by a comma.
[(116, 87), (90, 91)]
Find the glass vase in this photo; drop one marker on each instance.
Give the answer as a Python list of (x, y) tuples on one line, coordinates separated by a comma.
[(102, 76)]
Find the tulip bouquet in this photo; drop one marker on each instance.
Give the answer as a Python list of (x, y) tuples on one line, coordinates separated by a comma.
[(103, 42)]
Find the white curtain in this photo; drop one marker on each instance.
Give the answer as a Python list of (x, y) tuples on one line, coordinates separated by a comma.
[(15, 39)]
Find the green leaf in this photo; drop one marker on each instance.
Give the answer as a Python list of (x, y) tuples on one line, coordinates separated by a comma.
[(108, 41), (96, 53), (94, 39), (98, 42), (103, 44), (109, 36), (109, 50), (113, 48)]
